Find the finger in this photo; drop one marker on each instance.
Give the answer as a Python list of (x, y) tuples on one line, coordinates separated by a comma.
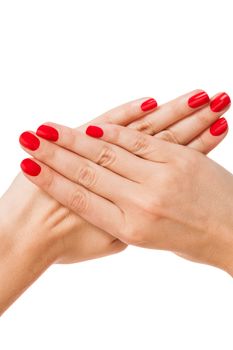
[(171, 112), (126, 113), (211, 137), (91, 207), (144, 146), (76, 168), (100, 152), (190, 127)]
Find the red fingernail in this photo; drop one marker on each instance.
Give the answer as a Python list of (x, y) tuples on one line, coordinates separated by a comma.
[(30, 141), (198, 100), (219, 127), (94, 131), (220, 102), (148, 105), (30, 167), (47, 132)]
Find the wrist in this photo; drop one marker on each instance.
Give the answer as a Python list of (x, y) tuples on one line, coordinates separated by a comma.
[(223, 251), (226, 259)]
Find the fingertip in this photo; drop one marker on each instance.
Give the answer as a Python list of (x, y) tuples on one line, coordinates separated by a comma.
[(28, 140), (149, 105), (94, 131), (30, 167), (219, 127), (220, 102), (198, 99), (211, 137), (48, 132)]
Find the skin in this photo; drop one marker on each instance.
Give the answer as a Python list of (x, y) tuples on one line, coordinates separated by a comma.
[(162, 205), (54, 233)]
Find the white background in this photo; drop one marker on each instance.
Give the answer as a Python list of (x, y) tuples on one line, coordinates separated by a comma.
[(68, 61)]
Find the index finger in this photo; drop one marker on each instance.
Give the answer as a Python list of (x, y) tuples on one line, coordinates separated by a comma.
[(126, 113)]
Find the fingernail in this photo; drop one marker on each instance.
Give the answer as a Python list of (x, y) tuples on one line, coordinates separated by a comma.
[(198, 100), (30, 167), (149, 105), (219, 127), (94, 131), (220, 102), (47, 132), (29, 140)]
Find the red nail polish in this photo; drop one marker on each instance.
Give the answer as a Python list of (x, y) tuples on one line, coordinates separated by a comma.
[(30, 167), (198, 100), (29, 140), (47, 132), (149, 105), (94, 131), (219, 127), (220, 102)]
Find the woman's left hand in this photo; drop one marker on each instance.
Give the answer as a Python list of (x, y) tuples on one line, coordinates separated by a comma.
[(145, 191)]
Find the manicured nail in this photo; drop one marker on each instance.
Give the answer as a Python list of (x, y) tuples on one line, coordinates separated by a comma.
[(47, 132), (198, 100), (219, 127), (94, 131), (29, 140), (30, 167), (149, 105), (220, 102)]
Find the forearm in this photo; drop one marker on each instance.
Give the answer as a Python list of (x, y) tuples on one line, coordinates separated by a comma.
[(23, 258), (27, 243)]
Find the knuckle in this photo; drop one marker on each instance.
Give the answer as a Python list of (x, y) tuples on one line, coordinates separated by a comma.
[(168, 135), (47, 152), (200, 144), (130, 109), (140, 143), (145, 126), (153, 206), (86, 176), (193, 162), (187, 163), (204, 119), (124, 112), (132, 236), (68, 134), (171, 185), (48, 180), (78, 201), (117, 246), (107, 157)]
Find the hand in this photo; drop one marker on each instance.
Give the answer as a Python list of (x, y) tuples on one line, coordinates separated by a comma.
[(144, 191)]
